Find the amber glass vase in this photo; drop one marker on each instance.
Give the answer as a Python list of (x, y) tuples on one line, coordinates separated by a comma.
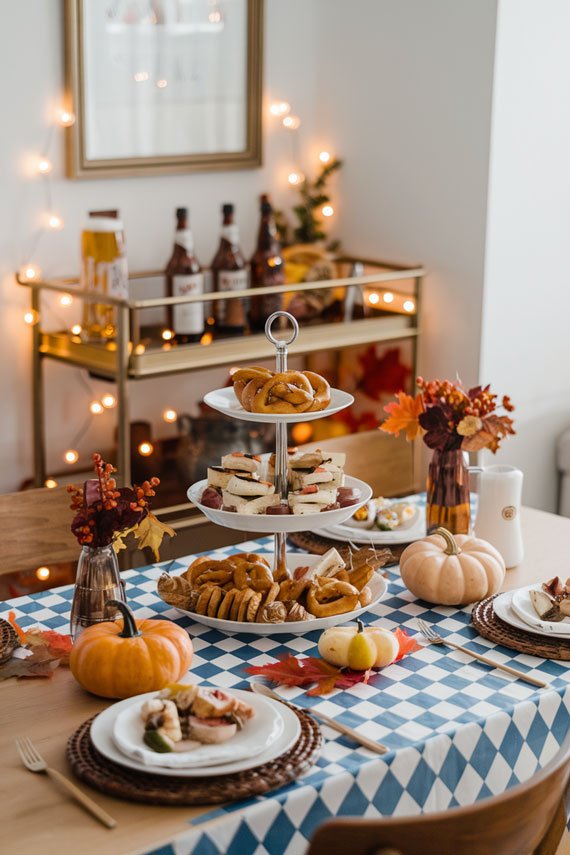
[(448, 493)]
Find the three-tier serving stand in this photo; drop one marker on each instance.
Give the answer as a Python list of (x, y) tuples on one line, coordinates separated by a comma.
[(224, 401)]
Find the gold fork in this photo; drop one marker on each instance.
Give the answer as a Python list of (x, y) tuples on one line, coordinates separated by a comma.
[(433, 638), (33, 761)]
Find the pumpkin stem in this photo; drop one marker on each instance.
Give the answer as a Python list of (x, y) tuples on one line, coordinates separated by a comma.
[(129, 624), (451, 546), (360, 625)]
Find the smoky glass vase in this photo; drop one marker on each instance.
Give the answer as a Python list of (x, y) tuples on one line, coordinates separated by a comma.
[(448, 502), (98, 580)]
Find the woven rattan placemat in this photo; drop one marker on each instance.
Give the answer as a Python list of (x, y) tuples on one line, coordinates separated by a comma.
[(490, 626)]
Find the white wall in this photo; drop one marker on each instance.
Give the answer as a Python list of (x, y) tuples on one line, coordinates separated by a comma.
[(526, 322), (405, 92), (31, 81)]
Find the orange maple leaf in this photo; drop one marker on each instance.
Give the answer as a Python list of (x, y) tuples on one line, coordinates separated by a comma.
[(404, 414)]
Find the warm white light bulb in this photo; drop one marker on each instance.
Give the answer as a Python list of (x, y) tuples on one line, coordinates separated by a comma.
[(327, 210), (141, 76), (65, 300), (280, 108), (295, 178), (291, 122), (66, 118), (55, 222), (145, 449), (139, 349), (96, 408), (324, 156), (31, 317), (30, 272), (42, 573), (409, 305), (50, 483), (170, 415), (388, 297), (109, 401), (44, 165), (71, 456), (167, 335), (76, 329), (374, 298), (162, 83)]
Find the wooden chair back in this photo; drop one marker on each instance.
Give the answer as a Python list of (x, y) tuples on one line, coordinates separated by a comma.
[(35, 529), (385, 462), (528, 819)]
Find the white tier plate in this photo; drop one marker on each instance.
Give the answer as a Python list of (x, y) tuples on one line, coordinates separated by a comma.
[(270, 523), (502, 606), (409, 532), (225, 401), (378, 586), (102, 737)]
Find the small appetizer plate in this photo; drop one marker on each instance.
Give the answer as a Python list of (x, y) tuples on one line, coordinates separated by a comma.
[(378, 586), (270, 523), (257, 734), (523, 608), (225, 401), (408, 532), (102, 728)]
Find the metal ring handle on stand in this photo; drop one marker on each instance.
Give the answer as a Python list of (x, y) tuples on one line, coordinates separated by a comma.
[(281, 343)]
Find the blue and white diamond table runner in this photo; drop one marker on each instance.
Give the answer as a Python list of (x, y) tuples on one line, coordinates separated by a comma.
[(457, 731)]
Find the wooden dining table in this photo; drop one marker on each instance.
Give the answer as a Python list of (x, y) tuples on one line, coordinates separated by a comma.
[(36, 817)]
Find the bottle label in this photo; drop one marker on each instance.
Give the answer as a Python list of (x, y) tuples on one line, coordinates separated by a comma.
[(230, 312), (231, 233), (188, 319), (185, 239), (118, 278)]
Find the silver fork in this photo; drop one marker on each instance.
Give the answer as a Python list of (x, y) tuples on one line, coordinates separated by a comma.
[(33, 761), (432, 637)]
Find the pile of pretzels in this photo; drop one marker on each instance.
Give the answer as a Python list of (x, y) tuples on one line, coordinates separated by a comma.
[(242, 588), (260, 390)]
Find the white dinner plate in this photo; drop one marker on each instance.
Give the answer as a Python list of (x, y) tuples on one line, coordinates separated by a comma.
[(503, 610), (523, 608), (257, 734), (270, 523), (101, 734), (410, 531), (378, 585), (225, 401)]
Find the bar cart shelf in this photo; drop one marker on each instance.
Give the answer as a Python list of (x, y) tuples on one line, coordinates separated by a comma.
[(127, 358)]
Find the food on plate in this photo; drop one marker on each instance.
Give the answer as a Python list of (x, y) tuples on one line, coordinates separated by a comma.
[(262, 391), (315, 481), (546, 608), (242, 588), (115, 659), (383, 514), (184, 716), (452, 570), (358, 647)]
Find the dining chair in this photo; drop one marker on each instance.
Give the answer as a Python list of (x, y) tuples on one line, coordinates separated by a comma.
[(34, 526), (385, 462), (528, 819)]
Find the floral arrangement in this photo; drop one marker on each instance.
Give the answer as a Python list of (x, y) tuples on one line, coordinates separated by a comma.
[(105, 514), (449, 417)]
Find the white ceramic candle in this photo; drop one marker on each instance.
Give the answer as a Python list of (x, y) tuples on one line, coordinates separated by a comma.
[(498, 511)]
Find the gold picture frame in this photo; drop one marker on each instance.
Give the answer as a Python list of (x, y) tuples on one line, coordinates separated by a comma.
[(78, 165)]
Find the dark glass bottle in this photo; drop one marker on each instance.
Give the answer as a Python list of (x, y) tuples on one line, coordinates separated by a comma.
[(183, 277), (229, 273), (267, 268)]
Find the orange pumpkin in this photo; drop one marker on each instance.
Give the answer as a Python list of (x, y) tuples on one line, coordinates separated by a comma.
[(115, 661)]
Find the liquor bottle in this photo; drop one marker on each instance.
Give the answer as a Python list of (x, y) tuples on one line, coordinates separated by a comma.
[(229, 274), (104, 271), (354, 300), (184, 277), (267, 268)]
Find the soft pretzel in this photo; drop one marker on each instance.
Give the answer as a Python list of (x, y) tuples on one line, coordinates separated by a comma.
[(250, 390), (255, 576), (321, 391), (365, 596), (332, 598), (292, 589), (242, 376), (248, 558), (277, 393)]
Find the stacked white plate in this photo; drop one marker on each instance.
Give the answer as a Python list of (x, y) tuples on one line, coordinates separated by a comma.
[(409, 531), (516, 609), (117, 733)]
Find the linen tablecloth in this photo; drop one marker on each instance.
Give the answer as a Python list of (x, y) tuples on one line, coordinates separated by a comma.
[(457, 730)]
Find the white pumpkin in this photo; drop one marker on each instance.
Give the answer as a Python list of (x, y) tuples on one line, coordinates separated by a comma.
[(452, 570)]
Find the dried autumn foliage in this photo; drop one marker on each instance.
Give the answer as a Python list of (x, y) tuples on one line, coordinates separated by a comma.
[(403, 415)]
